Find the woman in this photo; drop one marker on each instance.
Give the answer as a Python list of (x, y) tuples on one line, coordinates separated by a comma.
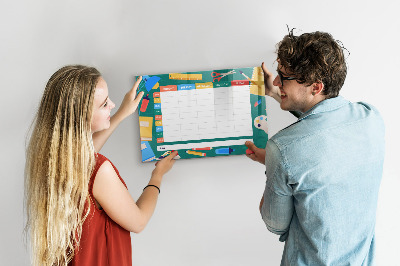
[(78, 207)]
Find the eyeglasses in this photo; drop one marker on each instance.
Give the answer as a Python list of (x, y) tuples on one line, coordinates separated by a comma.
[(282, 78)]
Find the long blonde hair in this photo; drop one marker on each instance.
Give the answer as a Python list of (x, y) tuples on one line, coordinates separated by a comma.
[(59, 162)]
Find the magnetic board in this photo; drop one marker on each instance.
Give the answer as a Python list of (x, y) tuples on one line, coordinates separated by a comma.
[(202, 114)]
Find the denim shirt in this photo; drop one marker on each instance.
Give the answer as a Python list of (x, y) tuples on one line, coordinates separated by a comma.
[(323, 176)]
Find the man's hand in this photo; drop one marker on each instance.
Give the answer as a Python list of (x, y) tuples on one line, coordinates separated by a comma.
[(258, 155), (270, 89)]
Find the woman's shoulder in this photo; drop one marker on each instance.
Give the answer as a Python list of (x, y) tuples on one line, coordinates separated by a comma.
[(99, 161), (100, 158), (105, 167), (102, 164)]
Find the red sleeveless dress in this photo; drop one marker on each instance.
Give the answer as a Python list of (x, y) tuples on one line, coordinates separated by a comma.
[(103, 241)]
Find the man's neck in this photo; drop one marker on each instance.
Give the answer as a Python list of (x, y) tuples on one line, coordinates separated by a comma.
[(316, 100)]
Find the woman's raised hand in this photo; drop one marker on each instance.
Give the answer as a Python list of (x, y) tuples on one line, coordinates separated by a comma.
[(131, 100)]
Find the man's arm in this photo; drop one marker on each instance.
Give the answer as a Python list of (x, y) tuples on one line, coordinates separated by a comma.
[(274, 91), (276, 205), (270, 89)]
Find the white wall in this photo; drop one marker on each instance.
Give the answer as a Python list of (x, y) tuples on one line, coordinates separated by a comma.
[(208, 208)]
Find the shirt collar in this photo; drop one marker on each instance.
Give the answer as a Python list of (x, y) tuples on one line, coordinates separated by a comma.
[(325, 106)]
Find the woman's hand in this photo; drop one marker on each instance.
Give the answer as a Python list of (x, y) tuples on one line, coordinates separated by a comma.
[(163, 166), (128, 107), (270, 89), (131, 101)]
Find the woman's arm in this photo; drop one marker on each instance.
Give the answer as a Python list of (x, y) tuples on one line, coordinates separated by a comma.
[(116, 201), (128, 107)]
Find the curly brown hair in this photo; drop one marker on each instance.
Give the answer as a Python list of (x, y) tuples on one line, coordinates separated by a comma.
[(314, 57)]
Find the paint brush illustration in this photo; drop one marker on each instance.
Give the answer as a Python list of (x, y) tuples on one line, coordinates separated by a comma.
[(254, 82), (241, 72)]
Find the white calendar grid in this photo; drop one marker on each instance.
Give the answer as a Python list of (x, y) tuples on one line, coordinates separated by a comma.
[(209, 113)]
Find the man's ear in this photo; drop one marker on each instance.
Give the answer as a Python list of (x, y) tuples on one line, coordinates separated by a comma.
[(317, 88)]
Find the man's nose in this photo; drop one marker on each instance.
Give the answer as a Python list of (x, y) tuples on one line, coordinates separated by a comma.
[(277, 81)]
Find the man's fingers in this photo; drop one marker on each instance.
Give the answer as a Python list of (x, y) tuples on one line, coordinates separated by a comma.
[(265, 70), (250, 145), (248, 151), (251, 156)]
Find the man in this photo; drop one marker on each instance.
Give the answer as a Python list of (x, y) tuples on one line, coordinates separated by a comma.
[(323, 171)]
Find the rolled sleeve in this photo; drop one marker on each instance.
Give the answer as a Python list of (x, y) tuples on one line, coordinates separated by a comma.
[(277, 209)]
